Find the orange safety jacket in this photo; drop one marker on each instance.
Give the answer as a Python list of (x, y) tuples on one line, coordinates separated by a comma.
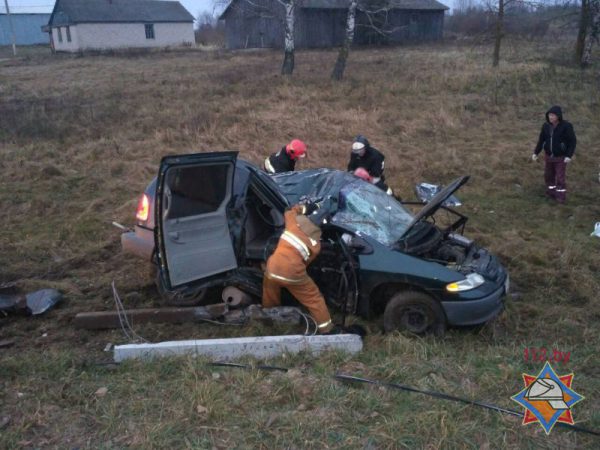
[(298, 246)]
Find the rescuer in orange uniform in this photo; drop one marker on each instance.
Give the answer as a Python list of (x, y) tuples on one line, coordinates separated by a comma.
[(298, 246)]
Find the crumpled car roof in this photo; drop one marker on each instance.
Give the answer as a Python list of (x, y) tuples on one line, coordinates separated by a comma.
[(353, 203), (312, 183)]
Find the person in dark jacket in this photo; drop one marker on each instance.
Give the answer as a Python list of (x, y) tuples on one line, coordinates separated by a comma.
[(558, 141), (370, 159), (285, 159)]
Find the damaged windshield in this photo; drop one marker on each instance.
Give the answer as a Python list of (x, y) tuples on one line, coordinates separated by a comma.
[(366, 209)]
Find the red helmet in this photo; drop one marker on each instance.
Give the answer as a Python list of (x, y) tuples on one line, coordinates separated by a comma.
[(296, 149), (361, 172)]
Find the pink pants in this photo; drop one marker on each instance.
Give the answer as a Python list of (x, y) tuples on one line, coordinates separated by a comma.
[(555, 173)]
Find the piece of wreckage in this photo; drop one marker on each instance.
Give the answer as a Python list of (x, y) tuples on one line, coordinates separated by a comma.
[(31, 304), (242, 311), (210, 220), (237, 308), (426, 192)]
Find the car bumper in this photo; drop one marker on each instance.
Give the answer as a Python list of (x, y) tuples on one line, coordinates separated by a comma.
[(139, 242), (475, 312)]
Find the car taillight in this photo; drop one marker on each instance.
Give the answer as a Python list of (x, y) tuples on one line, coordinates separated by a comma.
[(143, 208)]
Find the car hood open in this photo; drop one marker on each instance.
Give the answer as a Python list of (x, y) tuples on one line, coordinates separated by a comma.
[(436, 202)]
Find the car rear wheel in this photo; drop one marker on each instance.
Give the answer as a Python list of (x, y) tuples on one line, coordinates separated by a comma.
[(415, 312), (191, 298)]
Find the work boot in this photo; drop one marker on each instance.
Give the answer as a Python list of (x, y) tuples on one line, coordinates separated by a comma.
[(352, 329), (336, 329), (356, 329)]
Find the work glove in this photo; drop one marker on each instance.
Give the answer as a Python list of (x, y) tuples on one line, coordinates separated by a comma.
[(567, 160), (534, 157), (310, 208), (320, 217)]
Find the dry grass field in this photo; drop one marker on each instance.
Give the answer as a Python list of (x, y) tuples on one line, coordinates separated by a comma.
[(80, 137)]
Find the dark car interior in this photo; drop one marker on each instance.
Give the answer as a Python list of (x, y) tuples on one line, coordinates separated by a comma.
[(195, 190), (263, 226)]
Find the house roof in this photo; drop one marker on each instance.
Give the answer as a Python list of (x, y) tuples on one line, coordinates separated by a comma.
[(20, 14), (68, 12), (430, 5), (415, 5)]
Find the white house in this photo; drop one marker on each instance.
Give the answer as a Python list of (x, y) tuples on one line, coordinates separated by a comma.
[(77, 25)]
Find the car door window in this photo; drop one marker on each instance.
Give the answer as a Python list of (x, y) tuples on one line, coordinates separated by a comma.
[(196, 190)]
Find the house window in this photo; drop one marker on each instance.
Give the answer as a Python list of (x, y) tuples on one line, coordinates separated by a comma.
[(59, 35), (68, 34), (149, 30)]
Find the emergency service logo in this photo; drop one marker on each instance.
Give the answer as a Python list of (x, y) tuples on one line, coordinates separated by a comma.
[(548, 398)]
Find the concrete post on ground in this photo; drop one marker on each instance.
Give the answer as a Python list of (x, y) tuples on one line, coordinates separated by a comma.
[(262, 347)]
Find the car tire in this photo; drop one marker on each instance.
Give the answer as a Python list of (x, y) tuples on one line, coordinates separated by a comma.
[(415, 312), (191, 298)]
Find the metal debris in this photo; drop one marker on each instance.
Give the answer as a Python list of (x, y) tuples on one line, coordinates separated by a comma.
[(426, 192), (34, 303), (7, 343)]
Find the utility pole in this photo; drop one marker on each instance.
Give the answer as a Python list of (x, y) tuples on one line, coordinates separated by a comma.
[(12, 29)]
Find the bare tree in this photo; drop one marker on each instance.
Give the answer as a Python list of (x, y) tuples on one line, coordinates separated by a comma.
[(499, 32), (593, 32), (340, 64), (209, 31), (500, 8), (205, 18), (268, 10), (584, 20), (287, 68), (377, 21)]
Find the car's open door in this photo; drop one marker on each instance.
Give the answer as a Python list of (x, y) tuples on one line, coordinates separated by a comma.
[(192, 232)]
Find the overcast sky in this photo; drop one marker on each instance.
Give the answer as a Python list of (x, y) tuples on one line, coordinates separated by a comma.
[(43, 6)]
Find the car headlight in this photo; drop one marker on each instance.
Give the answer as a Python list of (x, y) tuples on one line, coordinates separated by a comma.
[(472, 281)]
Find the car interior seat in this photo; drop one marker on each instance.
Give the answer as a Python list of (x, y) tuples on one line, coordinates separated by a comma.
[(262, 223)]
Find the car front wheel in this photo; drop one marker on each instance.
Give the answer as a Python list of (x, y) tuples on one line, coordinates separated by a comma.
[(415, 312)]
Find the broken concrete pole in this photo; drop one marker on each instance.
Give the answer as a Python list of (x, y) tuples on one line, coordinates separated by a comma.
[(279, 314), (110, 319), (227, 349)]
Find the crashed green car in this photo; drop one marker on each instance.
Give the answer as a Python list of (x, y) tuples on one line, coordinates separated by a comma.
[(211, 219)]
